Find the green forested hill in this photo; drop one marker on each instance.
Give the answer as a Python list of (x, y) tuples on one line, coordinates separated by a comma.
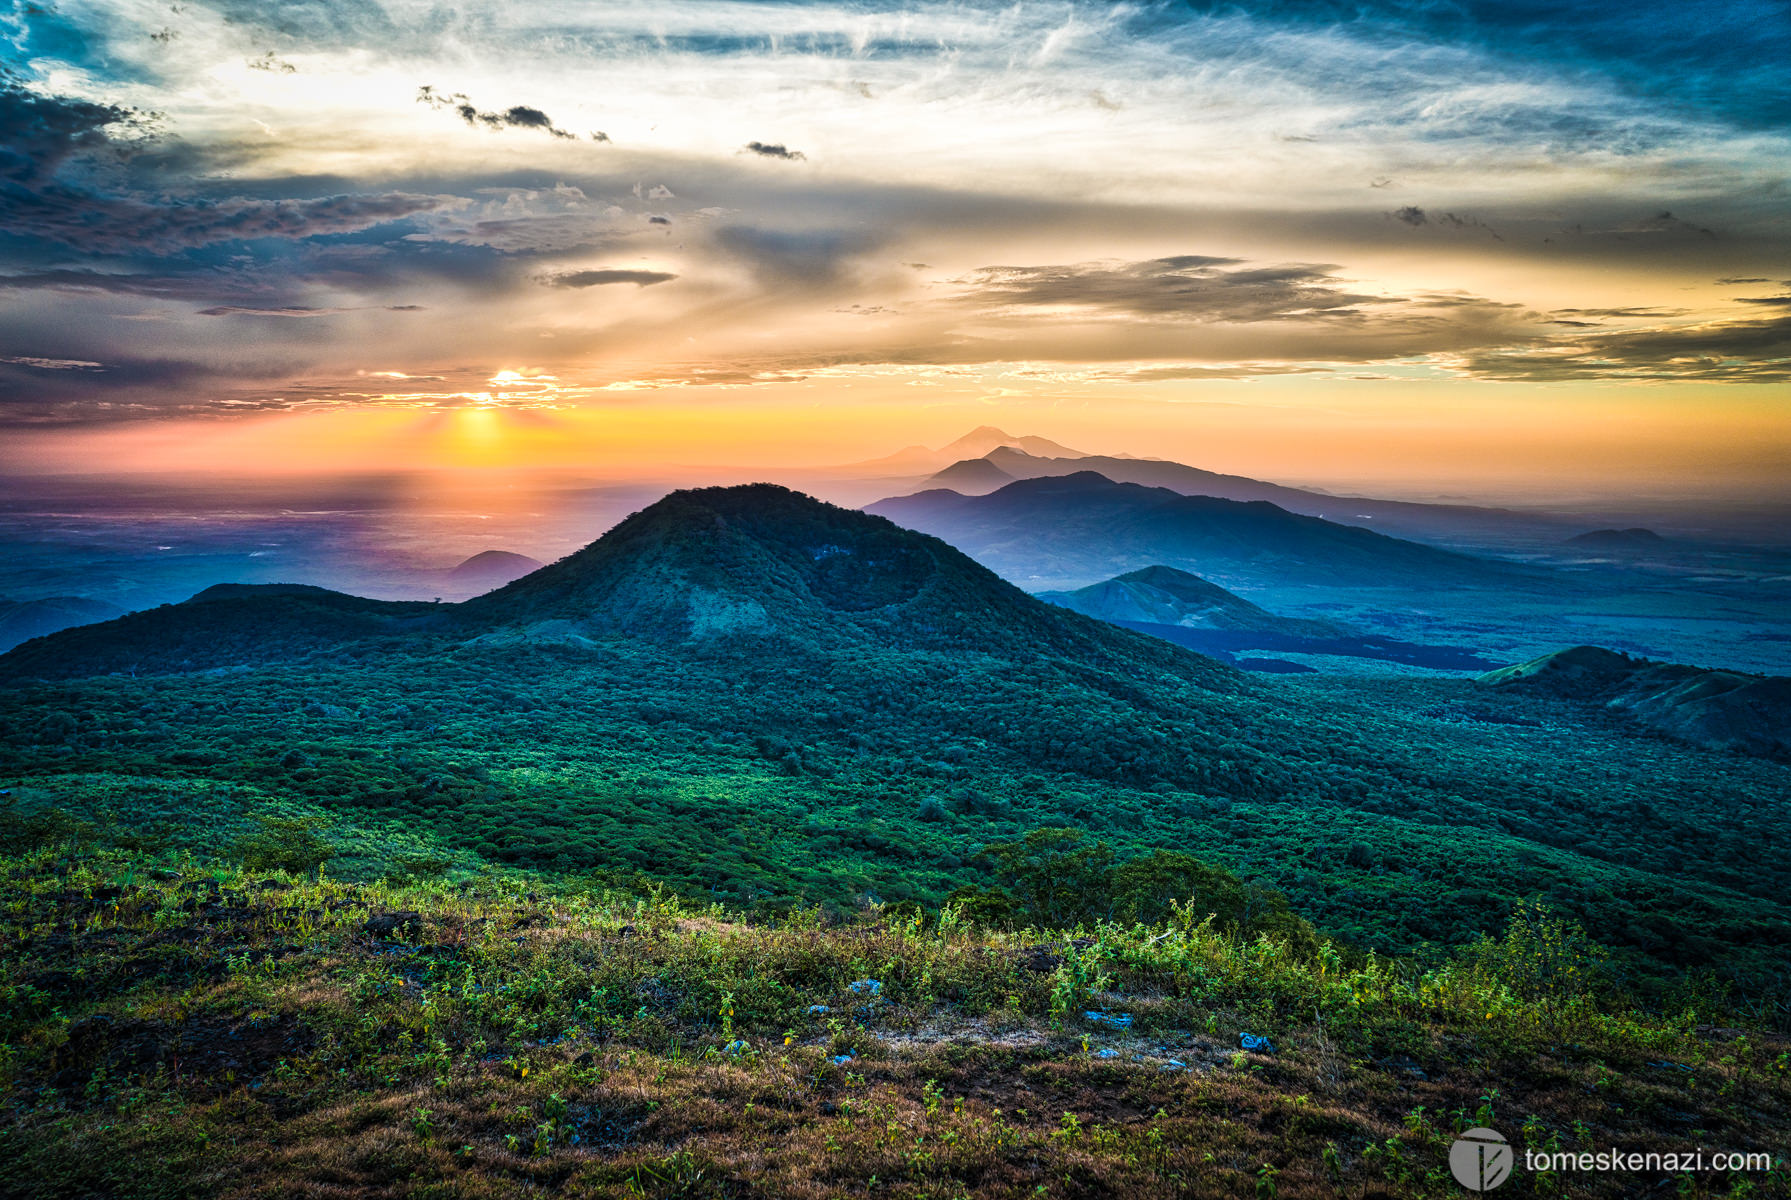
[(761, 699)]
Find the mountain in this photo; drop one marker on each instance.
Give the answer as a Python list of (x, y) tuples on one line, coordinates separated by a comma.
[(919, 460), (1619, 539), (971, 476), (1723, 710), (1161, 595), (760, 563), (753, 697), (1087, 526), (20, 621), (986, 438), (492, 568), (226, 626), (1458, 523), (756, 567)]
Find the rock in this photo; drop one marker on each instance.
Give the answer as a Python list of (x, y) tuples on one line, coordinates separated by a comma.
[(1109, 1020), (1403, 1064), (1255, 1044), (868, 987), (1106, 1052), (818, 1010)]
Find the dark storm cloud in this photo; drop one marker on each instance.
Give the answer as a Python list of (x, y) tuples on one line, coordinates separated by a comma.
[(1411, 214), (517, 116), (584, 279), (1190, 287), (774, 150)]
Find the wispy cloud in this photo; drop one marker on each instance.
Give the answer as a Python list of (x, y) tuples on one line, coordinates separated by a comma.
[(598, 278)]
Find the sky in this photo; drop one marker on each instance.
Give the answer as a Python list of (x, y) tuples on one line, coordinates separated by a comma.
[(1397, 244)]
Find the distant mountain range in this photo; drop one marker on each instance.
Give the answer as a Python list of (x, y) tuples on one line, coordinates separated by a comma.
[(22, 620), (1725, 710), (1084, 526), (1011, 461)]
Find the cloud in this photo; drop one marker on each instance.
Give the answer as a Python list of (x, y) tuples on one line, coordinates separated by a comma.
[(517, 116), (584, 279), (1186, 287), (273, 64), (1412, 215), (121, 224), (52, 364), (783, 256), (41, 136), (300, 311), (774, 150), (39, 133), (1734, 351)]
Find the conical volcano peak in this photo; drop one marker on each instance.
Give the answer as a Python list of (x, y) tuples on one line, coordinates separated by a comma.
[(759, 561)]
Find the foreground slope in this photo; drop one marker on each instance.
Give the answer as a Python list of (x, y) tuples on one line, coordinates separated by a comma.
[(178, 1030)]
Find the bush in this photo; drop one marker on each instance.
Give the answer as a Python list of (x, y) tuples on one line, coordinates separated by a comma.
[(286, 844)]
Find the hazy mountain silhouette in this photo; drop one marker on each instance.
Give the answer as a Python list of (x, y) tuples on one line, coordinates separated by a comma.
[(1085, 525), (1449, 522), (1619, 539), (971, 476), (492, 568), (919, 460)]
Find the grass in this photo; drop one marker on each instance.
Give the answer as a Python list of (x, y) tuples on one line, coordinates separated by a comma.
[(175, 1026)]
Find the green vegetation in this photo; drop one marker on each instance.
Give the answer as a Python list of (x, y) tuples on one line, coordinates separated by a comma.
[(762, 848), (1394, 815), (173, 1027)]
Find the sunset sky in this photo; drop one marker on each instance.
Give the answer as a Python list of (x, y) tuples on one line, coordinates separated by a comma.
[(1498, 246)]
